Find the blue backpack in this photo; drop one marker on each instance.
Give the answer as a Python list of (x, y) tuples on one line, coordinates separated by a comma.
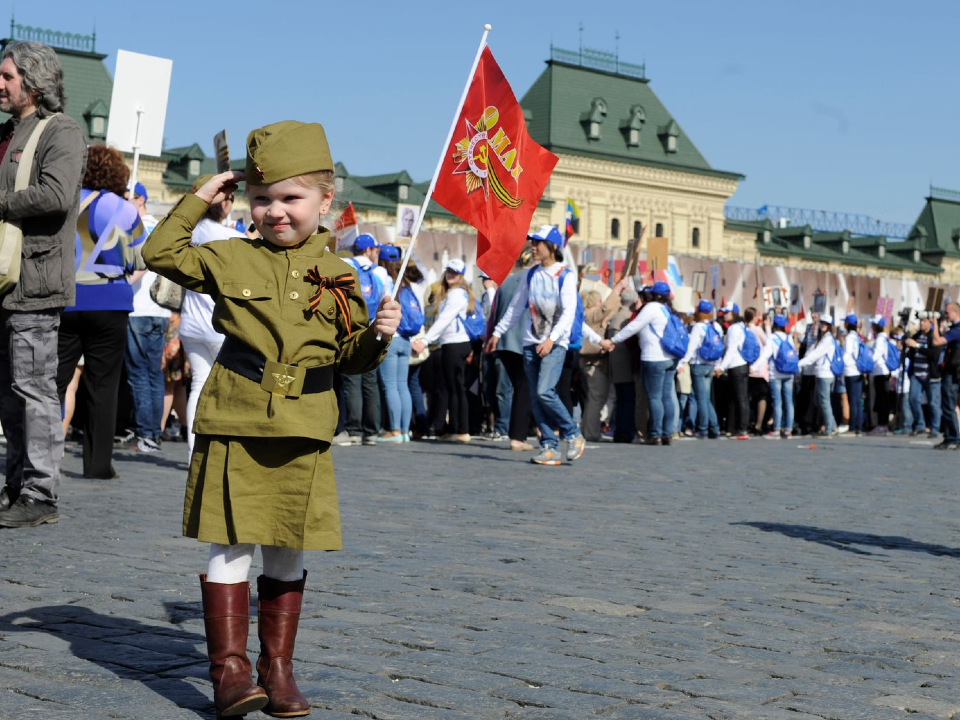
[(576, 330), (786, 360), (711, 348), (836, 362), (675, 339), (473, 323), (865, 363), (750, 349), (411, 314), (893, 357), (371, 288)]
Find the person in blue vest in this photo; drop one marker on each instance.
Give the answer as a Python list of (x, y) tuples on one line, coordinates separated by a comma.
[(880, 375), (449, 330), (852, 376), (781, 353), (547, 302), (706, 347), (820, 358), (657, 368), (361, 393), (737, 368)]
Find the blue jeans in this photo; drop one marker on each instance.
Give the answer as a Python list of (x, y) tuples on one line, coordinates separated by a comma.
[(824, 386), (948, 404), (543, 375), (416, 399), (933, 396), (504, 397), (394, 373), (146, 337), (702, 376), (854, 385), (781, 392), (657, 378)]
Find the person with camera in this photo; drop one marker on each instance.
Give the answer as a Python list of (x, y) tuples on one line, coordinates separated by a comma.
[(924, 374), (950, 378)]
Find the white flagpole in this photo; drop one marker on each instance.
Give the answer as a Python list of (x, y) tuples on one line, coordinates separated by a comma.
[(443, 155)]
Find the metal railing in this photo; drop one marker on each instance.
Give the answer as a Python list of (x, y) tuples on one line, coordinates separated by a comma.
[(54, 38), (598, 60), (819, 220)]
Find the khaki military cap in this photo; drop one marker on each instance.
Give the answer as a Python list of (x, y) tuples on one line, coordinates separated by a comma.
[(286, 149)]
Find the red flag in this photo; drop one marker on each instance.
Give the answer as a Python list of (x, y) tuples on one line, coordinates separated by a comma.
[(347, 218), (493, 174)]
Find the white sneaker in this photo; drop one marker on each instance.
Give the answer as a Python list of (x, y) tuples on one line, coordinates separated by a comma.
[(843, 429), (145, 444)]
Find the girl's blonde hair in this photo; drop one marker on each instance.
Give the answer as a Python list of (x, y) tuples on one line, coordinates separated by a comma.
[(590, 298), (459, 283), (323, 179)]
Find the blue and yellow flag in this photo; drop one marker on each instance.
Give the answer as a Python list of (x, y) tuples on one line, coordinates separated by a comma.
[(573, 219)]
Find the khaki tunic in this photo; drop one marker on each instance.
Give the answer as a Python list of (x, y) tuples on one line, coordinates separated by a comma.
[(241, 488)]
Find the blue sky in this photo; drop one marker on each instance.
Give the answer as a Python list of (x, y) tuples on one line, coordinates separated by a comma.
[(842, 105)]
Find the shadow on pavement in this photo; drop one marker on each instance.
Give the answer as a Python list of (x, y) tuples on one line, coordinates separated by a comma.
[(159, 658), (843, 540)]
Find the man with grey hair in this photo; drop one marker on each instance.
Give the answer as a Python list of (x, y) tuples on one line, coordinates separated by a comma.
[(31, 89)]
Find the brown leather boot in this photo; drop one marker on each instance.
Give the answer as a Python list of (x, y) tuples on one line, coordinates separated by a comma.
[(226, 619), (278, 613)]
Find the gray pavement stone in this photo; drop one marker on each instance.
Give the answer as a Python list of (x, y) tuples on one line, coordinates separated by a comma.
[(639, 584)]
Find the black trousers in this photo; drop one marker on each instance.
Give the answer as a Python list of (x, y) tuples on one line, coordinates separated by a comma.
[(881, 399), (808, 416), (738, 410), (625, 427), (453, 362), (100, 336), (520, 405), (361, 403), (565, 385)]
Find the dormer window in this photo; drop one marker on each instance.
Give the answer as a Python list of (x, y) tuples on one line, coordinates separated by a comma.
[(881, 251), (669, 134), (338, 184), (193, 168), (96, 117), (403, 191), (98, 127), (845, 247), (593, 118), (916, 256), (632, 125), (766, 237), (806, 242)]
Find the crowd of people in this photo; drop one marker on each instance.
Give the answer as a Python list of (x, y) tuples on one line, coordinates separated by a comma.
[(621, 363)]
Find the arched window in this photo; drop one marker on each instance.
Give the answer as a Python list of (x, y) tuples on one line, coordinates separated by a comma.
[(696, 237), (659, 232), (615, 229), (637, 228)]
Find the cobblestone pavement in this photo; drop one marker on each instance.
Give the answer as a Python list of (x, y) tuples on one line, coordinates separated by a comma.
[(705, 580)]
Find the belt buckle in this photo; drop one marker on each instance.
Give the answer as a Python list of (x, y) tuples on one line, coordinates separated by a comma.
[(280, 379)]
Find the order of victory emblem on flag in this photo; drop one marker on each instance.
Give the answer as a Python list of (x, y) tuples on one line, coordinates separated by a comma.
[(493, 173)]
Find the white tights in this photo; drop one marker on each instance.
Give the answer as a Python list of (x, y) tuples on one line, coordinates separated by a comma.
[(230, 564)]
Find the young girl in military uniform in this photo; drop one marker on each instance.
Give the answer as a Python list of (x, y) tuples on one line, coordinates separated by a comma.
[(261, 472)]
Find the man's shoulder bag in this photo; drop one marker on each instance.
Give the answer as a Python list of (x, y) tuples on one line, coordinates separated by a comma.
[(11, 235)]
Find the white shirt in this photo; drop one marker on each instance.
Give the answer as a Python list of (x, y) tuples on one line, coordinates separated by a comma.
[(548, 278), (196, 315), (697, 334), (651, 323), (851, 348), (143, 304), (820, 356), (880, 356), (734, 342), (447, 328)]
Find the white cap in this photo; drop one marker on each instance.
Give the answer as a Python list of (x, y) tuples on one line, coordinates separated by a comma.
[(456, 265), (828, 319)]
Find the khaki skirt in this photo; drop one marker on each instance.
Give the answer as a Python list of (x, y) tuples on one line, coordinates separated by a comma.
[(265, 491)]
